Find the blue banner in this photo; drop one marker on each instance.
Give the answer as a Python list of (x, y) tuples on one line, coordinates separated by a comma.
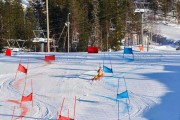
[(128, 51), (107, 70), (123, 95)]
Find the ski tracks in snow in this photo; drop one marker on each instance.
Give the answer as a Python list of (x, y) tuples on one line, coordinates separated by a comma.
[(138, 103), (13, 88)]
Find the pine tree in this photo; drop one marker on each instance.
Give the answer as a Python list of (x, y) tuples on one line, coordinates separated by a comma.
[(1, 26), (13, 20), (123, 9), (29, 26), (95, 26), (178, 11), (85, 8)]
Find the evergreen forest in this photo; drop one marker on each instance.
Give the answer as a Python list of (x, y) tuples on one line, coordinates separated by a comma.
[(100, 23)]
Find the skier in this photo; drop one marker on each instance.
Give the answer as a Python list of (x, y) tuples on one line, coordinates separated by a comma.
[(100, 74)]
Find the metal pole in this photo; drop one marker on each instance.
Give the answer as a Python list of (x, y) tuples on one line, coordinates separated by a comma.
[(68, 31), (47, 17), (147, 43), (141, 40), (24, 17), (107, 38), (101, 39), (107, 41), (42, 47)]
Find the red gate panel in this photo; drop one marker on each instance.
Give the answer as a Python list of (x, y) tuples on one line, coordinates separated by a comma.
[(8, 52), (92, 50)]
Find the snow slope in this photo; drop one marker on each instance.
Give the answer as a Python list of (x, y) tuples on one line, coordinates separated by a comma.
[(170, 34), (152, 83)]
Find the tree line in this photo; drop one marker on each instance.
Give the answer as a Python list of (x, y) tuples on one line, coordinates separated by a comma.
[(100, 23)]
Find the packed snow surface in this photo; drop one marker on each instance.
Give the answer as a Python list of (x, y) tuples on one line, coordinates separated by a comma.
[(151, 79)]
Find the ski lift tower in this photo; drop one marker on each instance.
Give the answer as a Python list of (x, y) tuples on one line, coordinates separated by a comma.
[(40, 38), (141, 6), (112, 28), (39, 8)]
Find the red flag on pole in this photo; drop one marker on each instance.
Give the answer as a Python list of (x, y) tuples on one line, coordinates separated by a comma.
[(32, 91), (74, 107), (60, 117), (13, 113), (27, 98), (64, 118), (21, 68)]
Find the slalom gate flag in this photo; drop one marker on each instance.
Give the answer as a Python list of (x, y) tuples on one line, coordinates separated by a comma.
[(128, 51), (21, 68), (123, 95), (92, 50), (51, 57), (107, 70), (64, 118), (8, 52), (27, 98)]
